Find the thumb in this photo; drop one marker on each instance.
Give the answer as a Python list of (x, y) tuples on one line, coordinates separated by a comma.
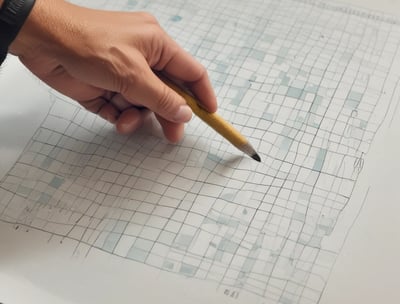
[(159, 98)]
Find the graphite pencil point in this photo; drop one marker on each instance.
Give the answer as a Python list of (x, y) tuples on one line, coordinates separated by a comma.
[(256, 157)]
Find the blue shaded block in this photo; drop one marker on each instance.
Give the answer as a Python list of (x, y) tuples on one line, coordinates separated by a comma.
[(111, 241), (56, 182), (320, 160), (176, 18), (188, 270), (294, 92)]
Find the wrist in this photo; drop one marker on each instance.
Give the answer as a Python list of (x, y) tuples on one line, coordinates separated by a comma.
[(32, 32), (13, 15), (45, 30)]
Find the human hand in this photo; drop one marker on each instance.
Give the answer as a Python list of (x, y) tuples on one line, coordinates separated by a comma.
[(105, 61)]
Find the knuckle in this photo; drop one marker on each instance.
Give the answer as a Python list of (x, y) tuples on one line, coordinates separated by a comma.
[(93, 105), (128, 81), (148, 18), (202, 72), (164, 104)]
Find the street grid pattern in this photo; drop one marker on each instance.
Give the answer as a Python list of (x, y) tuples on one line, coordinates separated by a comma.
[(308, 83)]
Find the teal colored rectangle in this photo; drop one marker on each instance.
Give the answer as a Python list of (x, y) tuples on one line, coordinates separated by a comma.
[(294, 92), (111, 241), (320, 160)]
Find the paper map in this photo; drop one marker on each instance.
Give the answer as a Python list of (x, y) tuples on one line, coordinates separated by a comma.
[(308, 82)]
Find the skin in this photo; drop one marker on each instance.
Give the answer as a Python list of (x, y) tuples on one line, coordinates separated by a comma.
[(106, 61)]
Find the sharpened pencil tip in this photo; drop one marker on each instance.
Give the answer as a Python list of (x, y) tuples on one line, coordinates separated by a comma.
[(256, 157), (249, 150)]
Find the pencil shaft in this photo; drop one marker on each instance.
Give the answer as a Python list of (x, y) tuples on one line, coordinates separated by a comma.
[(214, 120)]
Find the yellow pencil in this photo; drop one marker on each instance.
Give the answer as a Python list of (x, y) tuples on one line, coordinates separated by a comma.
[(214, 120)]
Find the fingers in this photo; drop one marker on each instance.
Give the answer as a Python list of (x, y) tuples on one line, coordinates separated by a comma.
[(110, 106), (172, 131), (170, 108), (103, 108), (203, 90), (131, 120), (117, 110), (177, 63), (157, 96), (120, 102)]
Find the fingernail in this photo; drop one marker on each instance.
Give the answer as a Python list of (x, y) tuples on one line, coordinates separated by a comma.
[(184, 114)]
